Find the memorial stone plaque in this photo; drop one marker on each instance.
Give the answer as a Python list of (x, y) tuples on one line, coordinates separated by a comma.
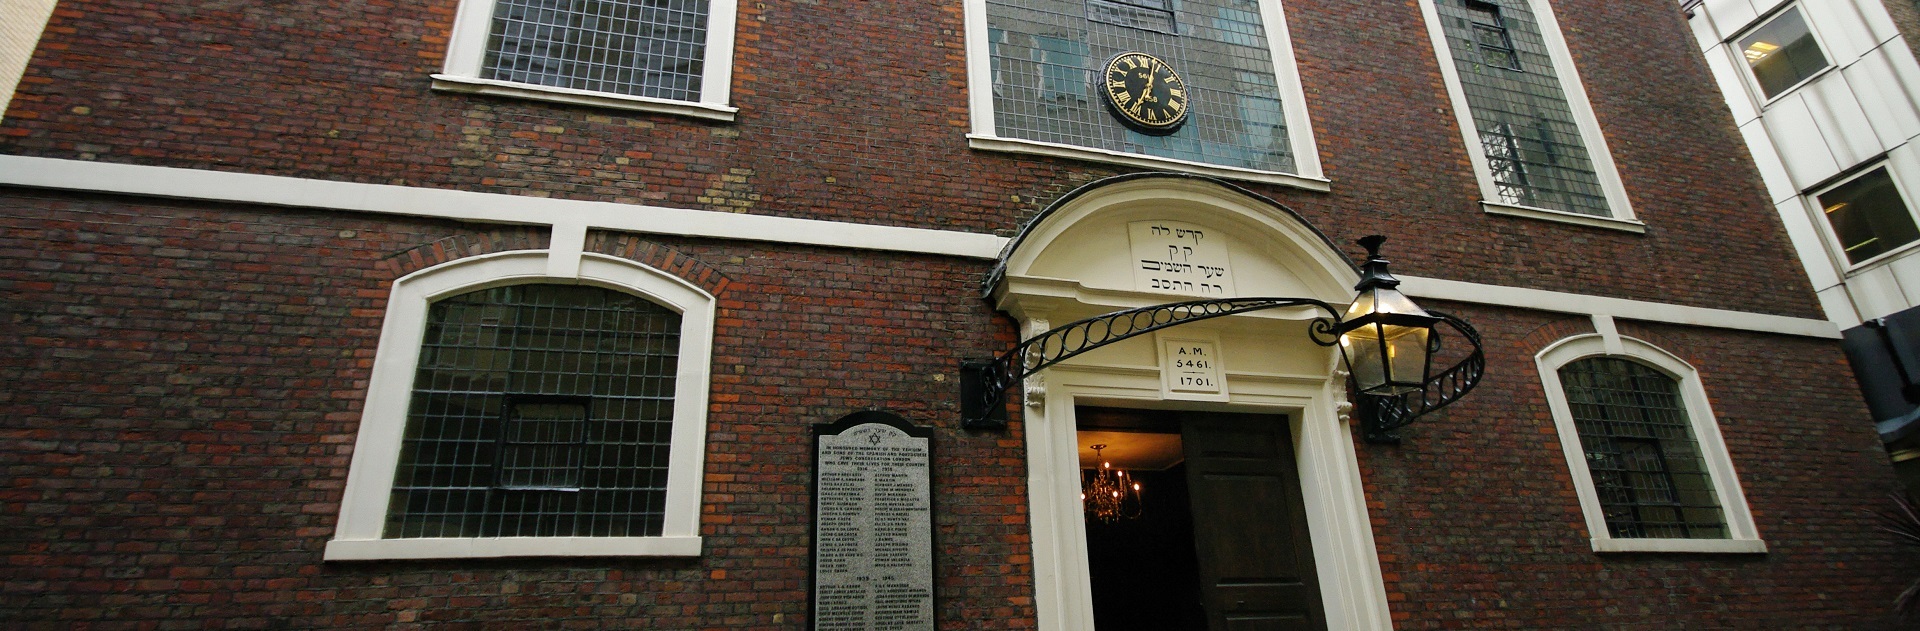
[(872, 525)]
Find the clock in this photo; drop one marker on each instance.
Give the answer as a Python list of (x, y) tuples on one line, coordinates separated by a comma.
[(1145, 93)]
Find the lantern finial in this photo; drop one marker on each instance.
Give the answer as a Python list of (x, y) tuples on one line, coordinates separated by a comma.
[(1373, 273)]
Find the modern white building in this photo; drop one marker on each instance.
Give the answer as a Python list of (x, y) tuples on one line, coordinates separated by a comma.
[(1827, 95)]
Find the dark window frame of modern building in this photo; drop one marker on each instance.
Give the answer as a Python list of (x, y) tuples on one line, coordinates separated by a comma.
[(1862, 177), (1785, 16)]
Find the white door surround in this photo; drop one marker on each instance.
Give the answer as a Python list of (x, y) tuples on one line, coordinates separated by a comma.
[(1148, 239)]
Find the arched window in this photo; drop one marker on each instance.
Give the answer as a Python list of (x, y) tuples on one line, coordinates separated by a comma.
[(538, 411), (514, 414), (1640, 448), (1644, 449)]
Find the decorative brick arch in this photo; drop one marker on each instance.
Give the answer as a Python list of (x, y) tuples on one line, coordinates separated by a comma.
[(627, 246), (460, 246), (1546, 334), (1554, 332), (1653, 336), (634, 248)]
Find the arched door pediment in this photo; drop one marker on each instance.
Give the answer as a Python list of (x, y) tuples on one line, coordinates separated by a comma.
[(1154, 238)]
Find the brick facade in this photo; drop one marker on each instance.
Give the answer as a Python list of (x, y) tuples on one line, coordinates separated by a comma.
[(859, 114), (180, 452), (186, 377), (1478, 525)]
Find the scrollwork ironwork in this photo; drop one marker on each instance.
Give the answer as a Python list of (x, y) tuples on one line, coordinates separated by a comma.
[(1379, 415), (1069, 340), (1383, 414)]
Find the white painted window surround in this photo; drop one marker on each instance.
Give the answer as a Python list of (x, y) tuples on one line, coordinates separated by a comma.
[(466, 47), (363, 510), (1616, 193), (1743, 537), (1307, 172)]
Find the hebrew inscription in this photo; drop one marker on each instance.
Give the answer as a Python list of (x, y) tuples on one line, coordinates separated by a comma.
[(1179, 257)]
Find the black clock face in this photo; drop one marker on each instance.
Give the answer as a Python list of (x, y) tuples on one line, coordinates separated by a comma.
[(1145, 93)]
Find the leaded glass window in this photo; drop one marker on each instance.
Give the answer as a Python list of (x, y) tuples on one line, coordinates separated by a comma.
[(1490, 36), (1514, 95), (1646, 463), (652, 48), (538, 410), (1045, 54)]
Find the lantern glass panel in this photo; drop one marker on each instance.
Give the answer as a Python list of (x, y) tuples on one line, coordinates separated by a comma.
[(1407, 357), (1362, 307), (1387, 359), (1362, 347), (1381, 300)]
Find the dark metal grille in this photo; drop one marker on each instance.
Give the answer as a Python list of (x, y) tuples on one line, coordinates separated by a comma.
[(649, 48), (1151, 15), (542, 444), (1503, 159), (1640, 447), (1523, 113), (1490, 35), (538, 410), (1046, 52)]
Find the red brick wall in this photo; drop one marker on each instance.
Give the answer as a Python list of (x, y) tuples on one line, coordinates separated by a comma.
[(859, 113), (1478, 524), (185, 381)]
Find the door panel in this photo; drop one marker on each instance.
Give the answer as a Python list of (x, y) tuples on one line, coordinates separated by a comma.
[(1250, 525)]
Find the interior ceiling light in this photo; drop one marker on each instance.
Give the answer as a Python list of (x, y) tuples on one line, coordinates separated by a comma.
[(1109, 494)]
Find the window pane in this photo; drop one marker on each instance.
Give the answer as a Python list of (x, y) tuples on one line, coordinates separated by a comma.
[(1782, 53), (1044, 53), (1868, 216), (1532, 142), (1640, 448), (649, 48), (1496, 47), (538, 410)]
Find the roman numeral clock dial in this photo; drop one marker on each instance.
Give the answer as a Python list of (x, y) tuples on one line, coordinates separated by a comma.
[(1144, 93)]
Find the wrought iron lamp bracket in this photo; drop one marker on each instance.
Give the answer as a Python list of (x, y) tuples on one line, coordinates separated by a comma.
[(984, 384), (1380, 415)]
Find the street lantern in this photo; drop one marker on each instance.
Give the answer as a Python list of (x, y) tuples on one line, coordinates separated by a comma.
[(1385, 338)]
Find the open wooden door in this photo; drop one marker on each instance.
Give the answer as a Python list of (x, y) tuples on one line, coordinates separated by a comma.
[(1250, 525)]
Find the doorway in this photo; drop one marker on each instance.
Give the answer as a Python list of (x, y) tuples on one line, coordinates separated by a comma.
[(1219, 540)]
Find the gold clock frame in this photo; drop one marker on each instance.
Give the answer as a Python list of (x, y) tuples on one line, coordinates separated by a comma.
[(1129, 105)]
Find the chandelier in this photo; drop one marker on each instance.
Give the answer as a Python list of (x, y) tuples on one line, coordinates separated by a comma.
[(1109, 494)]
